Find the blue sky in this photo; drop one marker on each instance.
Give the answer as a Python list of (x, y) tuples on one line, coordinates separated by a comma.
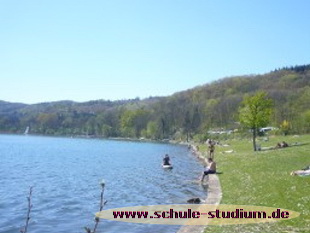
[(86, 50)]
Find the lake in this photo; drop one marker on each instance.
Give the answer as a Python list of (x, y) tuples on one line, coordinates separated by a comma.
[(65, 175)]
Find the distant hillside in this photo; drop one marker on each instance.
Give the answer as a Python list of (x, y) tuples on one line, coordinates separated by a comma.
[(7, 108), (190, 112)]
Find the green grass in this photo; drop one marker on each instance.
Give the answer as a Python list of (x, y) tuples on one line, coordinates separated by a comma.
[(263, 179)]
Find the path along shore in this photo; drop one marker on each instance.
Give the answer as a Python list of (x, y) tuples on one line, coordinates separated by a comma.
[(214, 194)]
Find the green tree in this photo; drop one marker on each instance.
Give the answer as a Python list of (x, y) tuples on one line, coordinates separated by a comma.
[(187, 125), (106, 130), (127, 124), (306, 120), (133, 122), (48, 122), (152, 130), (196, 120), (285, 127), (255, 112)]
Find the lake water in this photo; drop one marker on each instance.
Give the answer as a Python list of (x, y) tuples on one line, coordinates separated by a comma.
[(65, 175)]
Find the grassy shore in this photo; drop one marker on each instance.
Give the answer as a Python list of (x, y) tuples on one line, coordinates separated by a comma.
[(263, 178)]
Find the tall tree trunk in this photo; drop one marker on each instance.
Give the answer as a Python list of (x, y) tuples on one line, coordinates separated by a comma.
[(163, 127), (254, 138)]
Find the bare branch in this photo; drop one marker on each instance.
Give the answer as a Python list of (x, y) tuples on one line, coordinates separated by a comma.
[(24, 230), (102, 203)]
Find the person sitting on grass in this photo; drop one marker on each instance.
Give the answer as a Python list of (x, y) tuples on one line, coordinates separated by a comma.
[(303, 172), (282, 145), (211, 169)]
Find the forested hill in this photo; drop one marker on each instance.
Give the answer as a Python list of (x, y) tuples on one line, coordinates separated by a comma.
[(190, 112)]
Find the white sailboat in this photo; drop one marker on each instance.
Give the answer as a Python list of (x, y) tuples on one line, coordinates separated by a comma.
[(27, 130)]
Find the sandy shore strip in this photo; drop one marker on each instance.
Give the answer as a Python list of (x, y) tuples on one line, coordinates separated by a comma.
[(214, 194)]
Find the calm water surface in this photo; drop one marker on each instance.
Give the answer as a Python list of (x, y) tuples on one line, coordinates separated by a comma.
[(65, 174)]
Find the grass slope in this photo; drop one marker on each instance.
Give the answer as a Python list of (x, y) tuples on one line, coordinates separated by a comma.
[(263, 179)]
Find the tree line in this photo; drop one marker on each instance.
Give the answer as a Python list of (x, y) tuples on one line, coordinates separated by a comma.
[(183, 115)]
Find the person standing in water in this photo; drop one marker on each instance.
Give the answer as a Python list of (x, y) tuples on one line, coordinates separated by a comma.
[(166, 160)]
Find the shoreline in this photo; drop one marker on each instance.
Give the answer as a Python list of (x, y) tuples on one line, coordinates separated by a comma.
[(214, 194), (81, 136)]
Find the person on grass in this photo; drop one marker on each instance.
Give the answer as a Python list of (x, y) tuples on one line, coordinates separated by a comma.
[(211, 147), (303, 172)]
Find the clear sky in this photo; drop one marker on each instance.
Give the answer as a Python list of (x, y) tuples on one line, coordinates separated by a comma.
[(119, 49)]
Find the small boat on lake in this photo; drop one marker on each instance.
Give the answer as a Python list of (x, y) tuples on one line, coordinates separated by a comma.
[(169, 166), (27, 130)]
